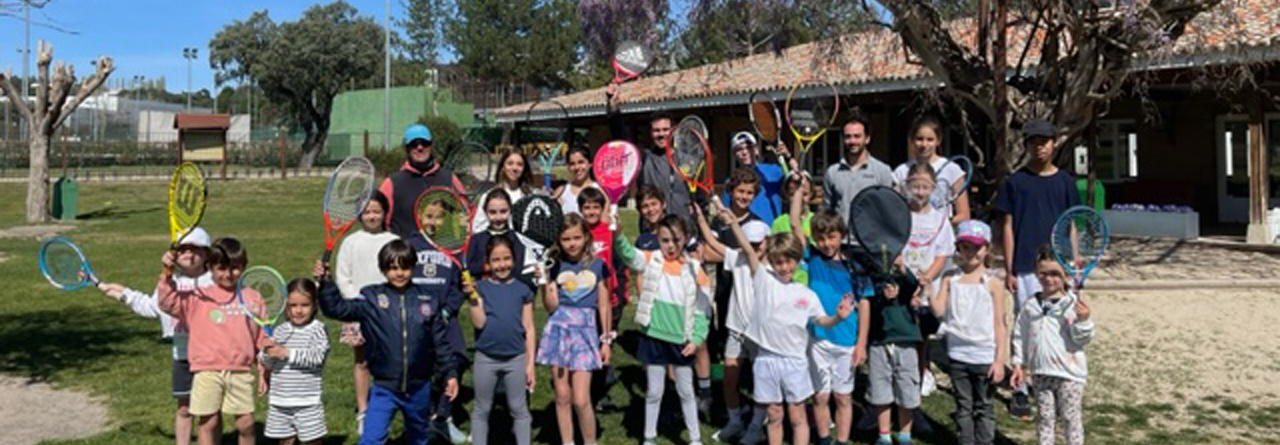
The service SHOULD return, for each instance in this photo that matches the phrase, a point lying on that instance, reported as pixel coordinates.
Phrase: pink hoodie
(223, 336)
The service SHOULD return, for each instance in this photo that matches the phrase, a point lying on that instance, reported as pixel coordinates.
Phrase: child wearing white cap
(767, 203)
(192, 273)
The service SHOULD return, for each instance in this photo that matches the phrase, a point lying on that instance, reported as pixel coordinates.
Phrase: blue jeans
(384, 402)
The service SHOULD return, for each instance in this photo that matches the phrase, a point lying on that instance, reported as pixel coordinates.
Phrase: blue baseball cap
(416, 131)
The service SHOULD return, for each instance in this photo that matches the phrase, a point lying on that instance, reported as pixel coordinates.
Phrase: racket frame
(333, 230)
(88, 278)
(468, 212)
(543, 154)
(960, 161)
(886, 256)
(544, 261)
(705, 170)
(1076, 270)
(628, 150)
(176, 231)
(267, 324)
(805, 142)
(622, 74)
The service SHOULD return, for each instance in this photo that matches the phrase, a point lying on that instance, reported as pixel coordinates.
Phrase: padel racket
(187, 194)
(616, 165)
(443, 217)
(1080, 237)
(539, 219)
(810, 109)
(880, 220)
(630, 60)
(689, 155)
(472, 163)
(548, 139)
(64, 265)
(262, 294)
(768, 124)
(944, 195)
(350, 187)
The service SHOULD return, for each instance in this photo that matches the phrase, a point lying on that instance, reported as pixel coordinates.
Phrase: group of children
(798, 309)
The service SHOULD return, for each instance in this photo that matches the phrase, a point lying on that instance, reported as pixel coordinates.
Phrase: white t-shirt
(480, 221)
(948, 175)
(569, 198)
(743, 296)
(357, 264)
(780, 322)
(931, 237)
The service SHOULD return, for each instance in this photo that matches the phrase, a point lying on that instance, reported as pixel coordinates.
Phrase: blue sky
(146, 37)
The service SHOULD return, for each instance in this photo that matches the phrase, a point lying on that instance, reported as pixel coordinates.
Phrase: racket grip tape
(468, 281)
(324, 258)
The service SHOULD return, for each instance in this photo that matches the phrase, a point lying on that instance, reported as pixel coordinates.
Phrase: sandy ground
(37, 232)
(33, 412)
(1133, 259)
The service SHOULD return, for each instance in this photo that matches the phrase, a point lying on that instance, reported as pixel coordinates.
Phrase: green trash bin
(65, 191)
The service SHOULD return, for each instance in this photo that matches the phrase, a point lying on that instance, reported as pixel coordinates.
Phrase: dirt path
(30, 413)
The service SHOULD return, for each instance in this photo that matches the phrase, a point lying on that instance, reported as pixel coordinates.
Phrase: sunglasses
(418, 143)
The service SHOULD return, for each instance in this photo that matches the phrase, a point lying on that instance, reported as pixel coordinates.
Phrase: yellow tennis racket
(811, 108)
(187, 195)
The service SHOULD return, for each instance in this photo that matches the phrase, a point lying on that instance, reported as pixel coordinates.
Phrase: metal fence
(124, 160)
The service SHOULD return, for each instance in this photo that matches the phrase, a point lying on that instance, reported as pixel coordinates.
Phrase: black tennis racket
(539, 218)
(881, 223)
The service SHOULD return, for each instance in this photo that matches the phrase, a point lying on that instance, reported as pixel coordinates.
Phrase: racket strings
(444, 218)
(269, 289)
(64, 264)
(187, 194)
(350, 188)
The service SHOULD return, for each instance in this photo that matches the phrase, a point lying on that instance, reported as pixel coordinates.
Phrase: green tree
(721, 30)
(302, 65)
(514, 41)
(423, 26)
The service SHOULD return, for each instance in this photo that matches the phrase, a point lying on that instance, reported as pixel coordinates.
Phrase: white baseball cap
(756, 231)
(196, 237)
(743, 137)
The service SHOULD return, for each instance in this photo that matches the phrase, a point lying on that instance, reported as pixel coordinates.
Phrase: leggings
(487, 373)
(1058, 398)
(657, 380)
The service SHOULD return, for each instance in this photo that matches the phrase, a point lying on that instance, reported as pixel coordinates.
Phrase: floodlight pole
(190, 55)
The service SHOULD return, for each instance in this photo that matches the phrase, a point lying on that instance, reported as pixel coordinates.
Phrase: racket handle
(546, 181)
(613, 217)
(324, 258)
(466, 280)
(542, 273)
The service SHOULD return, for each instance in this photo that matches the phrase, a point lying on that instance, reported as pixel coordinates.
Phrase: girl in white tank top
(578, 161)
(970, 304)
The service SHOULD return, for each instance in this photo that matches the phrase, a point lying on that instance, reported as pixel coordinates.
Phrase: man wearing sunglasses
(420, 171)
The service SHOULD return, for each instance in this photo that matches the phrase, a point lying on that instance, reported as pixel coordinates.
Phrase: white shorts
(831, 367)
(781, 379)
(739, 346)
(305, 422)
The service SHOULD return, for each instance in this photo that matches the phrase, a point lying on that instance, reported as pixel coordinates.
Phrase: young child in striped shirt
(294, 357)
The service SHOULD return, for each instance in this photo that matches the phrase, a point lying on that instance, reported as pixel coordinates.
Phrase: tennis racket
(262, 294)
(767, 123)
(539, 219)
(616, 165)
(64, 265)
(187, 195)
(689, 155)
(810, 109)
(881, 223)
(944, 195)
(1080, 237)
(443, 217)
(630, 60)
(350, 187)
(696, 122)
(549, 138)
(472, 163)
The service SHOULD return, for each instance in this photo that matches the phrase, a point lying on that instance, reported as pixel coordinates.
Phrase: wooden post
(280, 137)
(224, 155)
(1258, 193)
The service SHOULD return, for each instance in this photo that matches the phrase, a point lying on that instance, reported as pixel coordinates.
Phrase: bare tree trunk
(38, 178)
(312, 144)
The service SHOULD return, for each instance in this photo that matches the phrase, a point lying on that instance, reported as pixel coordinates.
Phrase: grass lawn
(84, 341)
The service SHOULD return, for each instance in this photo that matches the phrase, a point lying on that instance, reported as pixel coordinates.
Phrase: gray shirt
(843, 181)
(656, 171)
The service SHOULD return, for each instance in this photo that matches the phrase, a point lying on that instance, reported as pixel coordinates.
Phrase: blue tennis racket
(1080, 237)
(64, 265)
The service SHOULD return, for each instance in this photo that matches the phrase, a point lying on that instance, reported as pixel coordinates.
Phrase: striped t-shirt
(295, 381)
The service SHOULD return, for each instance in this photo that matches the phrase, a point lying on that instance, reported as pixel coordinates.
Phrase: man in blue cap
(420, 171)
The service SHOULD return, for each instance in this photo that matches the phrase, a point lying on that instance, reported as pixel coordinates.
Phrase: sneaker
(360, 423)
(755, 435)
(882, 440)
(457, 436)
(730, 432)
(928, 384)
(902, 439)
(1020, 407)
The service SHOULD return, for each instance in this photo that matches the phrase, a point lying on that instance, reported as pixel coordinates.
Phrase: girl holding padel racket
(953, 174)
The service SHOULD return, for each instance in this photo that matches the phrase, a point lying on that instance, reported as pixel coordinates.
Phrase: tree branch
(104, 68)
(19, 101)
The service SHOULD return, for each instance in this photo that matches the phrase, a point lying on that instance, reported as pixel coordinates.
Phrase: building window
(1117, 153)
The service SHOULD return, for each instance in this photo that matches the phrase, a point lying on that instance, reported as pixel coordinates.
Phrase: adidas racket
(616, 165)
(187, 194)
(1080, 237)
(630, 60)
(538, 218)
(548, 139)
(350, 187)
(64, 265)
(810, 109)
(262, 294)
(880, 220)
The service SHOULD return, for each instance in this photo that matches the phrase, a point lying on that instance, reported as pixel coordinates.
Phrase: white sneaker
(928, 384)
(457, 436)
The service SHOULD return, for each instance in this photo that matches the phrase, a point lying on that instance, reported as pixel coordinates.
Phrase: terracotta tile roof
(876, 61)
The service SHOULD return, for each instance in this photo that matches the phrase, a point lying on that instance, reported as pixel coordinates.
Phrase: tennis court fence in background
(127, 160)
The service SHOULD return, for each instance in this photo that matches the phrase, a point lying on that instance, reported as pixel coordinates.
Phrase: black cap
(1038, 128)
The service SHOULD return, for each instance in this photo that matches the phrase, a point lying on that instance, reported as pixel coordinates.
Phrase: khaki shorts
(228, 392)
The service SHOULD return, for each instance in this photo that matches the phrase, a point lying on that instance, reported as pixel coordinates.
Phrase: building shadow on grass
(106, 213)
(37, 344)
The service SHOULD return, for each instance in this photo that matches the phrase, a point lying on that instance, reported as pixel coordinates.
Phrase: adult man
(1029, 203)
(767, 204)
(419, 172)
(654, 168)
(856, 171)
